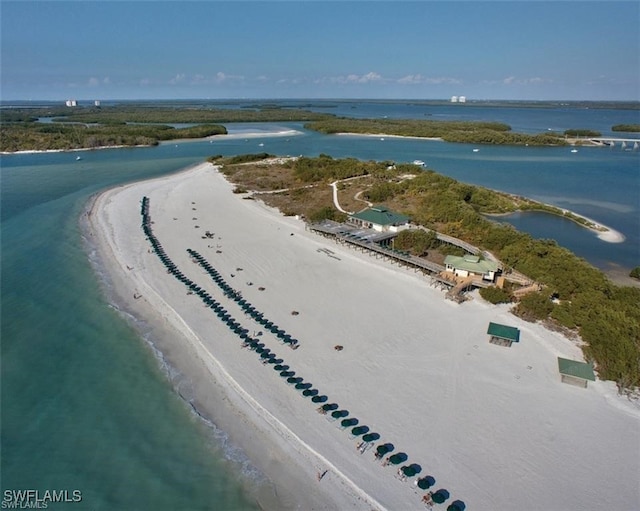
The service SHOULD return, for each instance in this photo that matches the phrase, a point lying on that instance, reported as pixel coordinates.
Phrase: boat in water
(419, 163)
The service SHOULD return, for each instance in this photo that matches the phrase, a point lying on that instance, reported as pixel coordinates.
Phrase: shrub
(495, 295)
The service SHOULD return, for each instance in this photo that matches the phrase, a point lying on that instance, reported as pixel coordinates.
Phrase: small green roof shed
(575, 373)
(503, 335)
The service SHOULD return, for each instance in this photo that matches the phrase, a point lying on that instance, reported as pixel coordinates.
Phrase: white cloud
(427, 80)
(513, 80)
(224, 77)
(93, 82)
(351, 78)
(411, 79)
(179, 78)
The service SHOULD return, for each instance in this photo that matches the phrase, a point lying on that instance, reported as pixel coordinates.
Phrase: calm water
(85, 403)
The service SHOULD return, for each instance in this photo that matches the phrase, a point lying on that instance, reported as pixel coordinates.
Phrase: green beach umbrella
(398, 458)
(440, 496)
(359, 430)
(424, 483)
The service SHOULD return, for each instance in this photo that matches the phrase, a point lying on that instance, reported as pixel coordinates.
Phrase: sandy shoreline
(494, 426)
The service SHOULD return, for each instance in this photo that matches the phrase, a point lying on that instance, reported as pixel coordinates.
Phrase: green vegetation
(89, 127)
(635, 273)
(495, 295)
(417, 242)
(449, 131)
(57, 136)
(628, 128)
(606, 316)
(582, 133)
(326, 213)
(325, 168)
(242, 158)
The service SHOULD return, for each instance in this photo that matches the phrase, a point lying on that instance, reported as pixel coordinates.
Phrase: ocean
(89, 405)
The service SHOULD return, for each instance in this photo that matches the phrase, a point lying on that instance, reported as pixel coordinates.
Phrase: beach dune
(493, 426)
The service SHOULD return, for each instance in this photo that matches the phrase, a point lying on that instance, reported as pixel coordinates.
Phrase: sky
(154, 49)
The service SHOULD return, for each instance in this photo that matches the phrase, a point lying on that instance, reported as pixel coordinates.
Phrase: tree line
(476, 132)
(32, 136)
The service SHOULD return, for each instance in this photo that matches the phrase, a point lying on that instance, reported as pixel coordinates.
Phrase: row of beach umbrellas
(285, 372)
(244, 304)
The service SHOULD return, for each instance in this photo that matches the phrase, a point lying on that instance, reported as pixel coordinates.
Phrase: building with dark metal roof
(503, 335)
(575, 373)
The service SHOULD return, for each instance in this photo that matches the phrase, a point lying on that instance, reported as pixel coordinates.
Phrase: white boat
(574, 150)
(419, 163)
(476, 150)
(78, 158)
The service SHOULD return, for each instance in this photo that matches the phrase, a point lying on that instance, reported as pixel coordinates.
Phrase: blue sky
(582, 50)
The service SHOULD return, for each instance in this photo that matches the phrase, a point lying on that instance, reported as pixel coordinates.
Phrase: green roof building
(471, 265)
(503, 335)
(379, 218)
(575, 373)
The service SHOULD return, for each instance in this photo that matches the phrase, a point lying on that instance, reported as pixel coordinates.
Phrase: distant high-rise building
(96, 102)
(454, 99)
(71, 102)
(462, 99)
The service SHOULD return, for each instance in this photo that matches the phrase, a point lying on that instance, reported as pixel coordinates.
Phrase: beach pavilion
(471, 266)
(379, 218)
(503, 335)
(575, 373)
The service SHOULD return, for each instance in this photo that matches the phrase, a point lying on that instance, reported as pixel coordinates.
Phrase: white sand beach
(494, 426)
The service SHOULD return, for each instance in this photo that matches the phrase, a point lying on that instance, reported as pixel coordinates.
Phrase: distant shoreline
(385, 135)
(251, 134)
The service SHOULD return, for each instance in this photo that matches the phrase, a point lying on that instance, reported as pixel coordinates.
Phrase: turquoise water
(85, 402)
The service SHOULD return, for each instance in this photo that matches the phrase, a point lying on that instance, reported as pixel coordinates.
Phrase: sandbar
(494, 426)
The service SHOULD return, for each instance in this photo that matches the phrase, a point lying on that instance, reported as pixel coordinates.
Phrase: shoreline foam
(415, 368)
